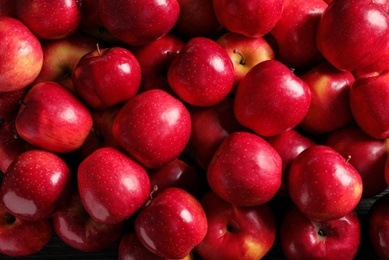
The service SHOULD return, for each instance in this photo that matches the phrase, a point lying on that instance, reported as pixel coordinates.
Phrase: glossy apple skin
(245, 52)
(253, 18)
(295, 33)
(368, 156)
(61, 55)
(368, 108)
(107, 77)
(153, 127)
(365, 21)
(53, 118)
(35, 185)
(234, 232)
(210, 125)
(288, 145)
(378, 228)
(330, 105)
(202, 74)
(48, 19)
(22, 55)
(112, 185)
(20, 238)
(155, 58)
(125, 19)
(323, 184)
(302, 238)
(77, 229)
(245, 170)
(266, 94)
(172, 224)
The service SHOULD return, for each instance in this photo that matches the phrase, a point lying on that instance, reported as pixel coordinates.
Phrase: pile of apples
(194, 129)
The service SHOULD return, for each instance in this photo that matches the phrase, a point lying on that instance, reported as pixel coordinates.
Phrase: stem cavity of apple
(9, 219)
(321, 233)
(242, 58)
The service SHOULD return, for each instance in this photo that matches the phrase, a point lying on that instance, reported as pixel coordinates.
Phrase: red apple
(138, 22)
(236, 232)
(323, 184)
(368, 156)
(302, 238)
(253, 18)
(369, 102)
(153, 127)
(377, 227)
(21, 54)
(172, 224)
(112, 185)
(53, 118)
(245, 170)
(49, 19)
(202, 74)
(7, 8)
(265, 96)
(353, 34)
(21, 237)
(35, 185)
(330, 105)
(10, 103)
(107, 77)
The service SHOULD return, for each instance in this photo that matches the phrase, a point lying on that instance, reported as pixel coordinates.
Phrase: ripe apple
(377, 226)
(302, 238)
(7, 8)
(236, 232)
(172, 224)
(368, 156)
(77, 229)
(265, 96)
(323, 184)
(35, 185)
(49, 19)
(112, 185)
(21, 237)
(245, 52)
(245, 170)
(369, 102)
(353, 34)
(53, 118)
(107, 77)
(153, 127)
(138, 22)
(330, 105)
(253, 18)
(21, 54)
(202, 73)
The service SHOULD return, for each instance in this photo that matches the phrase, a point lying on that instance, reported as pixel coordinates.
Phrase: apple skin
(365, 21)
(323, 184)
(21, 54)
(61, 55)
(202, 74)
(302, 238)
(368, 156)
(245, 52)
(295, 33)
(19, 238)
(245, 170)
(330, 104)
(265, 95)
(78, 230)
(48, 19)
(236, 232)
(35, 185)
(124, 19)
(369, 109)
(172, 224)
(153, 134)
(107, 77)
(7, 8)
(154, 59)
(252, 18)
(378, 229)
(112, 185)
(53, 118)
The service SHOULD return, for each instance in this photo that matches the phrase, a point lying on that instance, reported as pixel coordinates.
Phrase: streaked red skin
(378, 228)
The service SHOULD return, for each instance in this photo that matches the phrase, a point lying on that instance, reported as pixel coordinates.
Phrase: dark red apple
(378, 228)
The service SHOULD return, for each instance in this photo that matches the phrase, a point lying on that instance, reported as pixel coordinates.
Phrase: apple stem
(321, 233)
(242, 58)
(154, 190)
(348, 159)
(98, 49)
